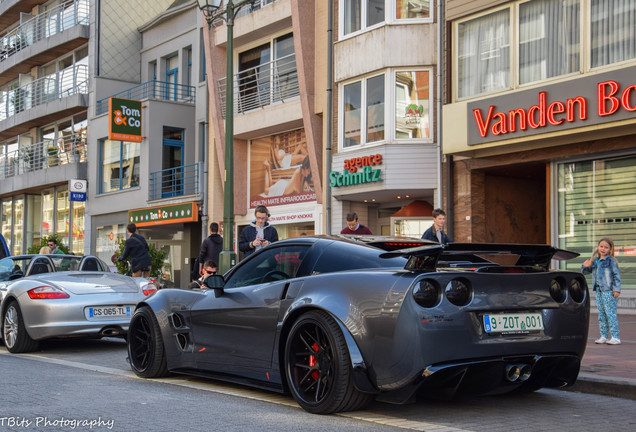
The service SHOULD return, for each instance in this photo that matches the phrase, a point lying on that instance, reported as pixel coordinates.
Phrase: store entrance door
(515, 204)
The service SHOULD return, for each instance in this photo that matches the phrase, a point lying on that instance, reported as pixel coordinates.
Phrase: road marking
(247, 393)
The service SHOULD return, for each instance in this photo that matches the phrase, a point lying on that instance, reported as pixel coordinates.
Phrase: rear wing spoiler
(428, 257)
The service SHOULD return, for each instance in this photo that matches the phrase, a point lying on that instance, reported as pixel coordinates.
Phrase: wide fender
(164, 303)
(365, 305)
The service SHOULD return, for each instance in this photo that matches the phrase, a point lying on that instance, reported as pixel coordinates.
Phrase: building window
(359, 14)
(547, 42)
(549, 39)
(7, 220)
(267, 74)
(412, 104)
(484, 54)
(119, 165)
(412, 9)
(369, 93)
(613, 37)
(593, 203)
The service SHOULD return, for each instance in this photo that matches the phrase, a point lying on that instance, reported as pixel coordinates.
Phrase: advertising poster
(279, 170)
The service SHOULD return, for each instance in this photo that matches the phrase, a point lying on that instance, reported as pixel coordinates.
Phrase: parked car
(47, 296)
(341, 321)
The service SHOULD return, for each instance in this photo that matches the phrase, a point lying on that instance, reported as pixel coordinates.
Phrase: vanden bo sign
(357, 170)
(124, 120)
(587, 101)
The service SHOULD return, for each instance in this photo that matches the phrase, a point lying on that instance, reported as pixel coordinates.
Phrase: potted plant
(28, 158)
(53, 158)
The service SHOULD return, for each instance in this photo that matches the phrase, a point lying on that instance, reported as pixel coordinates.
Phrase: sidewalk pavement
(610, 369)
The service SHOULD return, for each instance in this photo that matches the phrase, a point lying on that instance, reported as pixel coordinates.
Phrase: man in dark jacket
(436, 232)
(211, 247)
(137, 249)
(258, 234)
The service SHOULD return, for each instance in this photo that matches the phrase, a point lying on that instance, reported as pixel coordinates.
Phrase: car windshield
(66, 263)
(13, 268)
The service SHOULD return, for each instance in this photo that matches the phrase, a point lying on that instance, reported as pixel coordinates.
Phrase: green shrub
(157, 256)
(35, 248)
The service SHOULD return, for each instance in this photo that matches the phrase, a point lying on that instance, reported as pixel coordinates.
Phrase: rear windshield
(341, 256)
(66, 263)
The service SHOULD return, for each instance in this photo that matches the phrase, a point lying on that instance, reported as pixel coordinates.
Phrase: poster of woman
(280, 171)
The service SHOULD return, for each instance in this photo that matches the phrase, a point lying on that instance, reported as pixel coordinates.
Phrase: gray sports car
(47, 296)
(340, 321)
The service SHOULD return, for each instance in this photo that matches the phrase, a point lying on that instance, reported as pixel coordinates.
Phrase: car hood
(79, 283)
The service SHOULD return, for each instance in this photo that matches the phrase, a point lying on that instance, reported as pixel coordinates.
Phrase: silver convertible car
(48, 296)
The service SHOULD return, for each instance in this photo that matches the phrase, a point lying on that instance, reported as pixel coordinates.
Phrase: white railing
(255, 6)
(44, 25)
(263, 85)
(70, 81)
(42, 155)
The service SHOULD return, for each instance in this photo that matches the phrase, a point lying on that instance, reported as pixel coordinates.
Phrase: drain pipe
(441, 26)
(329, 130)
(204, 211)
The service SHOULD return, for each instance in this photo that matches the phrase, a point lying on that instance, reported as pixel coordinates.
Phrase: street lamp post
(212, 11)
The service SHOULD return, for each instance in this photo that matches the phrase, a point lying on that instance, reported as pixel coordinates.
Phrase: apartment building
(44, 86)
(539, 124)
(61, 62)
(386, 156)
(151, 63)
(279, 105)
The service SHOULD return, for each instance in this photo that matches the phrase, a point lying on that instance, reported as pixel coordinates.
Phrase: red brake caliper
(312, 362)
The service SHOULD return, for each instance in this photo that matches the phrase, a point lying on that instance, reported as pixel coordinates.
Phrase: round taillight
(459, 292)
(558, 290)
(427, 293)
(577, 290)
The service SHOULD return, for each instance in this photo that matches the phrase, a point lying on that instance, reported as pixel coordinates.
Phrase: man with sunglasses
(53, 249)
(209, 268)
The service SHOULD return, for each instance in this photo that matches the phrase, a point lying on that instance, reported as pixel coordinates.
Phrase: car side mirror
(215, 282)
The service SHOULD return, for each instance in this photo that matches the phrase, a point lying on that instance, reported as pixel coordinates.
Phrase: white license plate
(513, 323)
(109, 312)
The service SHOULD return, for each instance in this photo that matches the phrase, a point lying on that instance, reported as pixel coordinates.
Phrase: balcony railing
(275, 81)
(42, 155)
(72, 80)
(158, 90)
(256, 6)
(174, 182)
(44, 25)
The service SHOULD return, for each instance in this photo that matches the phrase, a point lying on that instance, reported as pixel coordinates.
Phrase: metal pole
(227, 257)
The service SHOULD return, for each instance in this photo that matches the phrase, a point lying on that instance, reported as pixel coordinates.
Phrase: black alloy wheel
(318, 368)
(145, 345)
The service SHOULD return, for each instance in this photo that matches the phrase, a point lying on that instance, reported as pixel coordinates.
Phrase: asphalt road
(87, 385)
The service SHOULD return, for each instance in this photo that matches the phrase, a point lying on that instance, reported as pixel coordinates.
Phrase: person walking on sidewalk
(607, 284)
(210, 248)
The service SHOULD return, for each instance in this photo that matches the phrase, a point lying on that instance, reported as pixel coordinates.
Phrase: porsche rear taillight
(47, 292)
(149, 289)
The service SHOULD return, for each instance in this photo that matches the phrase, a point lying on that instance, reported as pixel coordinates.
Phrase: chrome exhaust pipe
(512, 372)
(111, 331)
(525, 370)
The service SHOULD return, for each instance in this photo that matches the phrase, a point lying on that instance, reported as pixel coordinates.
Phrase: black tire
(318, 367)
(14, 333)
(145, 345)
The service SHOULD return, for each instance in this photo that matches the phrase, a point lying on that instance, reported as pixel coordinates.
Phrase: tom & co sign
(124, 122)
(586, 101)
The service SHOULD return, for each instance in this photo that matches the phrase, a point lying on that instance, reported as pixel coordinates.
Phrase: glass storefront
(598, 199)
(26, 219)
